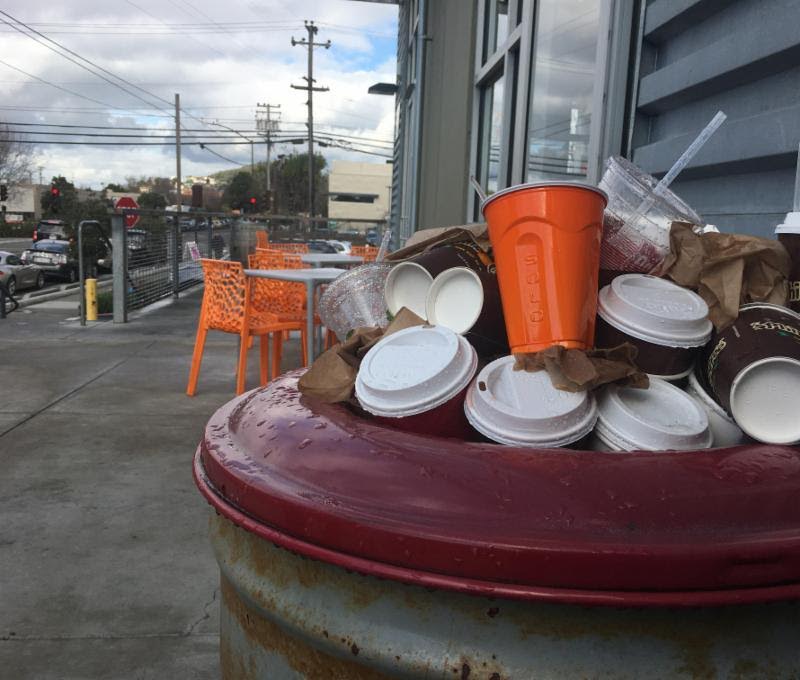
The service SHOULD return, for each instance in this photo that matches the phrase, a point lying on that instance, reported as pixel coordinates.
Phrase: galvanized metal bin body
(287, 616)
(317, 585)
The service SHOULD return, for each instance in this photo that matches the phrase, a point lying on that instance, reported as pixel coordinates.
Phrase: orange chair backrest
(225, 295)
(301, 248)
(278, 297)
(262, 239)
(369, 253)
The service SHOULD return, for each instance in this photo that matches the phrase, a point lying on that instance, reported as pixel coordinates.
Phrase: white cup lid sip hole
(655, 310)
(660, 418)
(414, 370)
(455, 299)
(524, 409)
(407, 285)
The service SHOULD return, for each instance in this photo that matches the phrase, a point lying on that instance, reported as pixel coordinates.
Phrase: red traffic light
(252, 200)
(55, 191)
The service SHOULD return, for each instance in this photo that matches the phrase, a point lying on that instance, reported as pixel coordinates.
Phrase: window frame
(516, 54)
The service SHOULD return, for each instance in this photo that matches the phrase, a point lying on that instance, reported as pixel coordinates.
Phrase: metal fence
(159, 255)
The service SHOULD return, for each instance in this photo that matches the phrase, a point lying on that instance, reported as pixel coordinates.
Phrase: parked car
(52, 229)
(372, 237)
(322, 247)
(16, 274)
(56, 258)
(343, 247)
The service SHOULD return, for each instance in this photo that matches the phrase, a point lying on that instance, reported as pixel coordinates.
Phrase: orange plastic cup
(546, 241)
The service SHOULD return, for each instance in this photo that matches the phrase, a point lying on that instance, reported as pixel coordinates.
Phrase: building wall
(24, 199)
(743, 57)
(360, 178)
(447, 113)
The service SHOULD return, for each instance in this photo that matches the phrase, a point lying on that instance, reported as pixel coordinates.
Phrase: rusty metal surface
(288, 616)
(670, 529)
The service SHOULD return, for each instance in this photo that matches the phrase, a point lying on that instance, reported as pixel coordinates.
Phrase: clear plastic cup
(634, 242)
(356, 299)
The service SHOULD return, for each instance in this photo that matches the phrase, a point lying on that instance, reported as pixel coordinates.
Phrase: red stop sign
(127, 202)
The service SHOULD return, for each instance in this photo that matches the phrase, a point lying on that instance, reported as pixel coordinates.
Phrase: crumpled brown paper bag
(332, 376)
(426, 239)
(576, 370)
(727, 270)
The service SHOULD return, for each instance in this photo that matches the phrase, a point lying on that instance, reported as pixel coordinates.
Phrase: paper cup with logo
(668, 324)
(416, 379)
(724, 430)
(788, 234)
(460, 299)
(410, 280)
(546, 244)
(753, 370)
(660, 418)
(524, 409)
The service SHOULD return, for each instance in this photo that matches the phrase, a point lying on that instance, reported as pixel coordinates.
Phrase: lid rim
(741, 375)
(649, 431)
(684, 339)
(443, 277)
(575, 434)
(389, 286)
(441, 396)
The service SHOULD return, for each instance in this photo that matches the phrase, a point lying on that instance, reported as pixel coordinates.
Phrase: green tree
(63, 205)
(113, 186)
(238, 193)
(150, 200)
(290, 184)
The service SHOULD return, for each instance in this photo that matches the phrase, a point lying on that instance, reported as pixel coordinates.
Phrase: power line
(78, 63)
(58, 87)
(143, 10)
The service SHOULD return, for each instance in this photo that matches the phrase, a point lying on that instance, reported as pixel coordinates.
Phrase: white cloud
(220, 74)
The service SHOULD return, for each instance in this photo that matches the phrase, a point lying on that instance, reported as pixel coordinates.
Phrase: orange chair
(369, 253)
(262, 239)
(288, 299)
(301, 248)
(232, 304)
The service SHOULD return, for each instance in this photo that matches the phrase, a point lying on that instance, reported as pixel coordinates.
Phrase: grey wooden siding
(741, 56)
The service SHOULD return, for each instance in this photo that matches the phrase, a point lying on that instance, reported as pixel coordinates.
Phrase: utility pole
(177, 230)
(266, 125)
(309, 87)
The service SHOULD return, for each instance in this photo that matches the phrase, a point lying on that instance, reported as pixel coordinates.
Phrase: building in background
(516, 91)
(359, 191)
(24, 202)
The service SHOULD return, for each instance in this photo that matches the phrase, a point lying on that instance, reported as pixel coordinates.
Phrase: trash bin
(348, 549)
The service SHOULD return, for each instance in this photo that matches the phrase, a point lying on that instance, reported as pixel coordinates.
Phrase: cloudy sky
(223, 58)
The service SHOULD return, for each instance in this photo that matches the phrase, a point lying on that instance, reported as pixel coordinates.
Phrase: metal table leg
(310, 288)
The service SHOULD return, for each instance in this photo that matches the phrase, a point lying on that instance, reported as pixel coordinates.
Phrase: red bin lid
(709, 527)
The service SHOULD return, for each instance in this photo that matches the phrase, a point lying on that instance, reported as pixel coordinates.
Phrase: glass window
(562, 84)
(13, 260)
(492, 129)
(495, 26)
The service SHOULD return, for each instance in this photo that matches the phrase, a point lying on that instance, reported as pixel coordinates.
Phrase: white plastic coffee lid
(524, 409)
(791, 224)
(407, 286)
(455, 299)
(414, 370)
(660, 418)
(655, 310)
(764, 400)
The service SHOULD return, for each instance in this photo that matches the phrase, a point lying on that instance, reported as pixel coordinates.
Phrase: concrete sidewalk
(107, 571)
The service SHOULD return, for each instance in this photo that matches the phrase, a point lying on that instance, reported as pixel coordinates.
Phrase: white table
(325, 259)
(312, 278)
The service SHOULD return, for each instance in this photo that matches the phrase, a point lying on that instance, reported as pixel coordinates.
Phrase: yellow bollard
(91, 299)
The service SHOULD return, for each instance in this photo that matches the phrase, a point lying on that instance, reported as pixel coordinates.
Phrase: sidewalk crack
(206, 614)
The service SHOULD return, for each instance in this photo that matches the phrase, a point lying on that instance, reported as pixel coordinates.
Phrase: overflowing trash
(607, 318)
